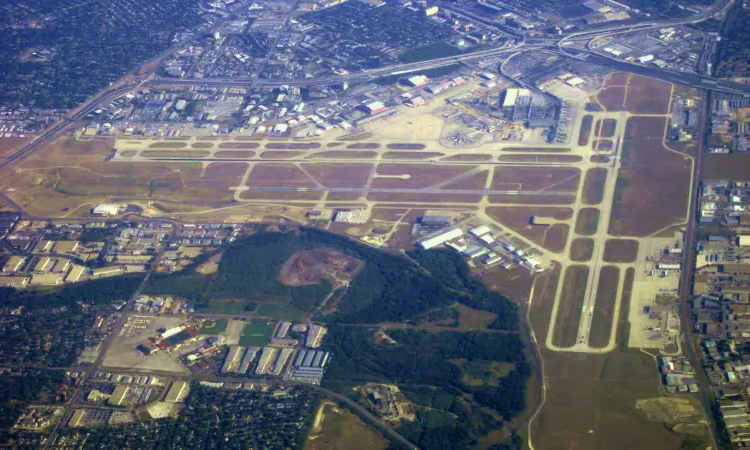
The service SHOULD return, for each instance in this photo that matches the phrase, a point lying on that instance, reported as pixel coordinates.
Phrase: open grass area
(581, 249)
(586, 124)
(338, 429)
(731, 166)
(571, 306)
(280, 311)
(593, 185)
(606, 128)
(587, 221)
(213, 326)
(256, 334)
(604, 310)
(620, 250)
(222, 307)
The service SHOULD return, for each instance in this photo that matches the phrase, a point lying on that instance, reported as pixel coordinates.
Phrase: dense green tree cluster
(19, 387)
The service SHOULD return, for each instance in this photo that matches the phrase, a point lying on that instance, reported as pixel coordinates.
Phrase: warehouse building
(108, 209)
(441, 238)
(14, 264)
(266, 360)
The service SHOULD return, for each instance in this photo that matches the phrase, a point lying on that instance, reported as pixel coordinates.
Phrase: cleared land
(586, 123)
(606, 298)
(415, 176)
(268, 174)
(314, 266)
(571, 306)
(650, 173)
(535, 178)
(338, 429)
(581, 249)
(620, 250)
(518, 219)
(587, 221)
(593, 185)
(612, 96)
(731, 166)
(339, 175)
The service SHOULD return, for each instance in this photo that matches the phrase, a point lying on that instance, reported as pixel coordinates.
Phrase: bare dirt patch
(731, 166)
(339, 175)
(314, 266)
(239, 145)
(405, 146)
(581, 249)
(612, 96)
(620, 250)
(211, 266)
(571, 306)
(535, 178)
(168, 145)
(9, 145)
(230, 154)
(587, 221)
(364, 146)
(604, 311)
(593, 185)
(291, 145)
(411, 155)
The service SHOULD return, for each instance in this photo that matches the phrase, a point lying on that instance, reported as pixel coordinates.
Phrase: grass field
(338, 429)
(620, 250)
(586, 123)
(732, 166)
(213, 326)
(256, 334)
(581, 249)
(587, 221)
(223, 307)
(280, 311)
(571, 306)
(606, 298)
(593, 185)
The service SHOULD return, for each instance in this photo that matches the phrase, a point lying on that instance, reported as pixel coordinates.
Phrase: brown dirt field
(604, 309)
(175, 153)
(168, 145)
(581, 249)
(606, 128)
(599, 159)
(587, 221)
(612, 96)
(211, 266)
(648, 96)
(343, 196)
(291, 145)
(593, 185)
(314, 266)
(551, 237)
(620, 250)
(472, 182)
(469, 158)
(514, 283)
(200, 145)
(586, 123)
(281, 195)
(364, 146)
(229, 154)
(280, 154)
(536, 150)
(571, 306)
(423, 198)
(473, 319)
(535, 178)
(12, 144)
(540, 158)
(422, 175)
(650, 174)
(533, 199)
(342, 154)
(267, 174)
(127, 153)
(405, 146)
(411, 155)
(339, 175)
(603, 145)
(731, 166)
(239, 145)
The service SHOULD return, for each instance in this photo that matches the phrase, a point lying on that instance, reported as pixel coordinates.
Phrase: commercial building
(14, 264)
(107, 271)
(75, 273)
(266, 359)
(177, 391)
(233, 359)
(46, 279)
(284, 355)
(375, 108)
(118, 397)
(14, 282)
(314, 336)
(108, 209)
(418, 80)
(441, 238)
(480, 230)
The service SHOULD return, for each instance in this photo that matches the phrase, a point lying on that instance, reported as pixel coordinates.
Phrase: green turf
(214, 326)
(256, 334)
(222, 307)
(279, 311)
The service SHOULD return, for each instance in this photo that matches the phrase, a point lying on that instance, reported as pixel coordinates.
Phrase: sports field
(256, 334)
